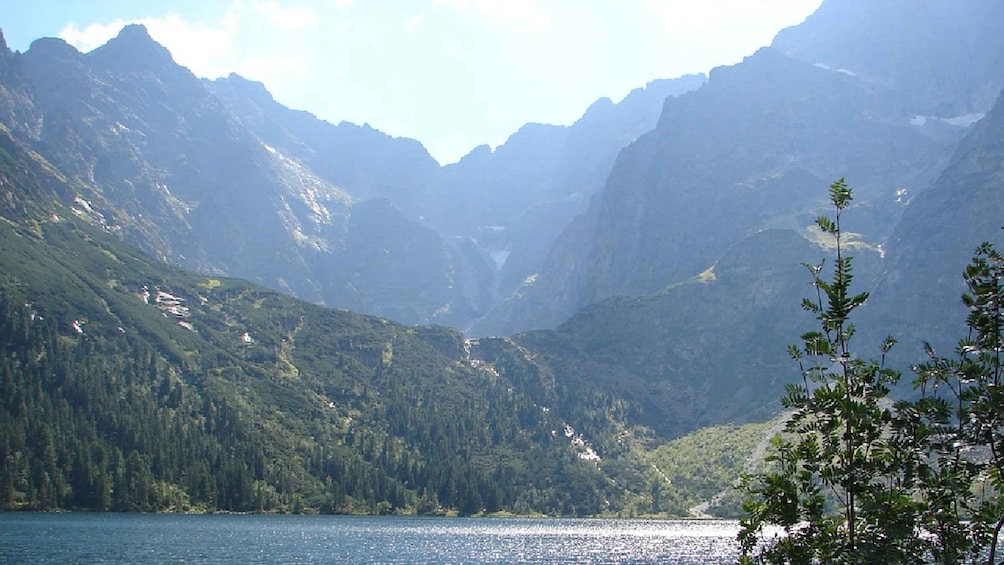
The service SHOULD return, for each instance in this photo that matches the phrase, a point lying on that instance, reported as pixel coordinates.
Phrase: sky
(453, 74)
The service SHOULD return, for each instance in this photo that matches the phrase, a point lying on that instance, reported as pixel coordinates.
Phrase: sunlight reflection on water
(104, 538)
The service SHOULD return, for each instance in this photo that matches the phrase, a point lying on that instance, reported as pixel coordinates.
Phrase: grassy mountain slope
(707, 351)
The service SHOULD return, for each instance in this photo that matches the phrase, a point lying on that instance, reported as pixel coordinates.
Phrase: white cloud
(523, 12)
(679, 15)
(213, 49)
(205, 49)
(411, 23)
(270, 68)
(286, 17)
(340, 5)
(92, 36)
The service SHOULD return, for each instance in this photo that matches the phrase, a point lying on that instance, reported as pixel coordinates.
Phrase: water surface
(225, 539)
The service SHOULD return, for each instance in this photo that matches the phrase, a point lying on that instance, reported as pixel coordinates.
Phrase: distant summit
(5, 54)
(134, 50)
(53, 48)
(941, 56)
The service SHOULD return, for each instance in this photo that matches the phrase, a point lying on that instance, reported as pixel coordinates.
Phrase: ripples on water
(145, 539)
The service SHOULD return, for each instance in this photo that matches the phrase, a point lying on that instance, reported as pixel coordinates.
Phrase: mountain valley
(212, 302)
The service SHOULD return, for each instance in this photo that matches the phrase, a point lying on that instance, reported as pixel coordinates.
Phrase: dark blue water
(161, 538)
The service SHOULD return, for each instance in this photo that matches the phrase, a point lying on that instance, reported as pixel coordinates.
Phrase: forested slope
(133, 385)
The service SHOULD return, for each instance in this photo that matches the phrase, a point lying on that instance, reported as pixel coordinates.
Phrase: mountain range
(644, 264)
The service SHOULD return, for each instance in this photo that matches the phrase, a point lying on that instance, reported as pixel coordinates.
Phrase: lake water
(166, 538)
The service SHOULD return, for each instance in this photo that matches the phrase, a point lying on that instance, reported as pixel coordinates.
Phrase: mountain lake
(41, 538)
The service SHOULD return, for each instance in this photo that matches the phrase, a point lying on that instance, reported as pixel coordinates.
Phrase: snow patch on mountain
(963, 120)
(836, 70)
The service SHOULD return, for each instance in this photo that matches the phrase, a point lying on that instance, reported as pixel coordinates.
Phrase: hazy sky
(451, 73)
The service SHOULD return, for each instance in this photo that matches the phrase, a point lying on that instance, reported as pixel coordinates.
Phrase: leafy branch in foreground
(858, 478)
(963, 405)
(838, 491)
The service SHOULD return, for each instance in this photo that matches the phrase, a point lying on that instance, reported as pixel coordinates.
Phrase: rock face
(543, 164)
(732, 176)
(942, 58)
(513, 202)
(918, 298)
(753, 149)
(218, 177)
(360, 159)
(234, 184)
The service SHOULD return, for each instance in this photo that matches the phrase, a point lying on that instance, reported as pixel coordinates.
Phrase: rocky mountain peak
(5, 54)
(53, 48)
(942, 56)
(133, 50)
(134, 32)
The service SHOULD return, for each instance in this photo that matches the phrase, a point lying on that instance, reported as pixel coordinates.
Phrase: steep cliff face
(943, 58)
(918, 298)
(217, 176)
(753, 149)
(516, 201)
(583, 166)
(499, 211)
(746, 153)
(221, 179)
(16, 105)
(541, 164)
(388, 259)
(151, 141)
(359, 159)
